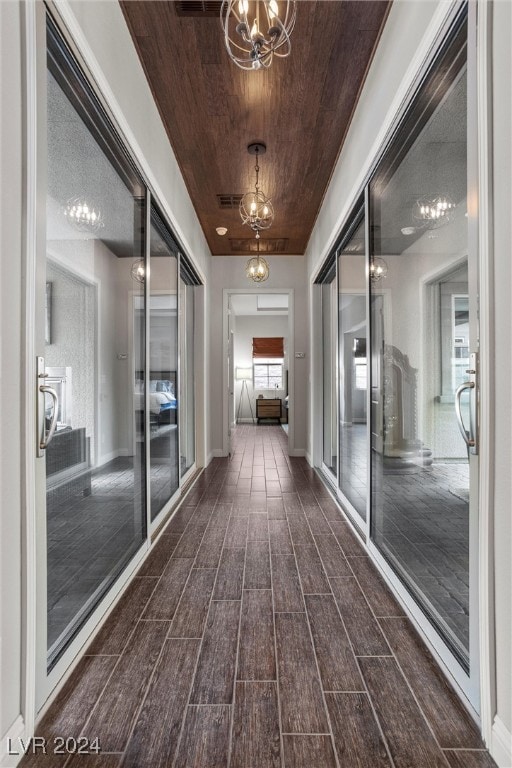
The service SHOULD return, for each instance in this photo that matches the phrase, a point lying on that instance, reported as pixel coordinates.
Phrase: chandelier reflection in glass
(433, 212)
(256, 210)
(138, 271)
(256, 30)
(82, 215)
(257, 268)
(378, 269)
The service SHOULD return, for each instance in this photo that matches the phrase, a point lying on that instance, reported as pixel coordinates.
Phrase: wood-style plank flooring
(258, 635)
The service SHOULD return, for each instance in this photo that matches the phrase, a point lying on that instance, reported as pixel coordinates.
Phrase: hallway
(258, 634)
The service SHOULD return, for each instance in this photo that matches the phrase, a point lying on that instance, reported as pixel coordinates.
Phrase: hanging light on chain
(257, 268)
(257, 30)
(256, 209)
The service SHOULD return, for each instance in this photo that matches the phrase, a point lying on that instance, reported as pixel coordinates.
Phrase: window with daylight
(268, 374)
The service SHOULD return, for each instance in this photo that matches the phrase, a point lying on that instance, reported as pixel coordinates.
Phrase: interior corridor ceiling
(300, 108)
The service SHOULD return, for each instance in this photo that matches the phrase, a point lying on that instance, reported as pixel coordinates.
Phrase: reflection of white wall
(91, 261)
(73, 342)
(352, 326)
(412, 295)
(246, 328)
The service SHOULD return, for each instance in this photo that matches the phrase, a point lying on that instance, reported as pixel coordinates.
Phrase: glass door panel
(353, 370)
(95, 488)
(163, 367)
(422, 335)
(187, 392)
(330, 448)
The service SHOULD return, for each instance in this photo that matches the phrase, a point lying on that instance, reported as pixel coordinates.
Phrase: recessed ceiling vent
(267, 245)
(198, 8)
(229, 201)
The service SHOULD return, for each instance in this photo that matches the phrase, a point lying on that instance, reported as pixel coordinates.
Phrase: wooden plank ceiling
(300, 108)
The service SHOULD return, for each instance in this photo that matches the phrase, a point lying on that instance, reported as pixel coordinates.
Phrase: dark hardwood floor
(258, 635)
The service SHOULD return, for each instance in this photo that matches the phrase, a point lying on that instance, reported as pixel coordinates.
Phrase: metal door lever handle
(467, 437)
(45, 442)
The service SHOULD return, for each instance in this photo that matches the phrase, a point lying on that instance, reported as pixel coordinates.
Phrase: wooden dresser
(268, 408)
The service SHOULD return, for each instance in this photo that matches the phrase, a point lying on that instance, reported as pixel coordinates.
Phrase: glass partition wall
(329, 409)
(187, 367)
(113, 388)
(163, 366)
(95, 479)
(421, 341)
(353, 369)
(407, 472)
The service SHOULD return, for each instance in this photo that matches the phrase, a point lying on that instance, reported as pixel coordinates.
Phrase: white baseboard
(216, 453)
(297, 453)
(308, 458)
(106, 457)
(11, 742)
(501, 744)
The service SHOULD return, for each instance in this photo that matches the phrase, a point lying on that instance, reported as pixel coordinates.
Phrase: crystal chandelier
(433, 212)
(82, 215)
(257, 268)
(255, 30)
(256, 210)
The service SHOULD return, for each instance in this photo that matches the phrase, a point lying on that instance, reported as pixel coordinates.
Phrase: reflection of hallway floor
(91, 538)
(257, 634)
(354, 466)
(424, 526)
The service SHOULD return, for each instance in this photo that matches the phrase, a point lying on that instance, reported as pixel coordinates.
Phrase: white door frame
(226, 294)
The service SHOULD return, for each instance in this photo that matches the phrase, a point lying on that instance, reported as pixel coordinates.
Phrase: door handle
(467, 436)
(48, 436)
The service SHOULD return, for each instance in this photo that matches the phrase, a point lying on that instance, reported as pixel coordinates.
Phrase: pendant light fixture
(257, 268)
(256, 30)
(256, 210)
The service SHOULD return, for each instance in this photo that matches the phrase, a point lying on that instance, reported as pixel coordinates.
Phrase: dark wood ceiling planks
(300, 108)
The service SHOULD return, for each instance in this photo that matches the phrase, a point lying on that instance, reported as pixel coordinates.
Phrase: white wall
(286, 272)
(247, 327)
(502, 142)
(10, 365)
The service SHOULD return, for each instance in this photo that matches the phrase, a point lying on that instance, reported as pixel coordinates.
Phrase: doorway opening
(259, 350)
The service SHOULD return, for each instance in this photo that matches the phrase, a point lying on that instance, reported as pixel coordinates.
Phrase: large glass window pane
(330, 439)
(163, 367)
(187, 392)
(353, 369)
(95, 491)
(420, 347)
